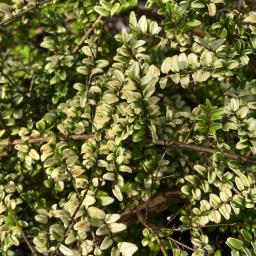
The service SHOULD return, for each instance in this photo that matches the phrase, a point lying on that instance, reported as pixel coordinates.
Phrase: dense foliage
(128, 127)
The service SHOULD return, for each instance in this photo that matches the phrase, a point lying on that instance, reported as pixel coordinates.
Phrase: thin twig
(239, 4)
(199, 227)
(154, 229)
(171, 240)
(146, 225)
(176, 214)
(3, 154)
(72, 220)
(166, 177)
(85, 36)
(73, 182)
(165, 143)
(87, 33)
(155, 205)
(9, 79)
(24, 236)
(23, 12)
(155, 177)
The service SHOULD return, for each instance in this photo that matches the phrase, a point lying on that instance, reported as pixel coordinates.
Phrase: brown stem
(158, 240)
(154, 178)
(24, 236)
(72, 220)
(87, 33)
(203, 226)
(85, 36)
(22, 12)
(165, 143)
(239, 4)
(171, 240)
(3, 154)
(155, 205)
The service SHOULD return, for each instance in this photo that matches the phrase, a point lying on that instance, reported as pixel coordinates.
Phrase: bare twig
(199, 227)
(151, 229)
(73, 182)
(239, 4)
(154, 177)
(155, 205)
(87, 33)
(23, 12)
(171, 240)
(72, 219)
(165, 143)
(3, 154)
(166, 177)
(24, 236)
(46, 139)
(175, 214)
(85, 36)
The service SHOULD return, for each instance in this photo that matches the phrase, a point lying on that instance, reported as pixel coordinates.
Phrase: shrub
(128, 127)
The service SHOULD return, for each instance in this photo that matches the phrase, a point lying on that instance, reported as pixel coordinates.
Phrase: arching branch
(23, 12)
(165, 143)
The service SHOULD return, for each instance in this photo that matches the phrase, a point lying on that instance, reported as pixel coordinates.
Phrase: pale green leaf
(215, 216)
(212, 9)
(142, 23)
(201, 76)
(197, 5)
(193, 60)
(133, 19)
(206, 58)
(193, 23)
(102, 230)
(106, 243)
(225, 210)
(154, 29)
(82, 225)
(127, 249)
(117, 227)
(106, 200)
(66, 251)
(183, 61)
(239, 183)
(96, 213)
(125, 168)
(251, 18)
(234, 104)
(117, 193)
(111, 218)
(184, 81)
(166, 65)
(114, 9)
(234, 243)
(102, 11)
(87, 51)
(82, 70)
(115, 252)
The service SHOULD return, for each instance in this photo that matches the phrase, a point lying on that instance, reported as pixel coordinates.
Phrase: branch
(23, 12)
(3, 154)
(87, 33)
(151, 229)
(236, 224)
(154, 229)
(85, 36)
(72, 219)
(24, 236)
(157, 204)
(176, 242)
(165, 143)
(200, 32)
